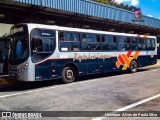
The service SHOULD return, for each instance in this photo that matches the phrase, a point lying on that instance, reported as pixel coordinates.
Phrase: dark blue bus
(42, 52)
(158, 47)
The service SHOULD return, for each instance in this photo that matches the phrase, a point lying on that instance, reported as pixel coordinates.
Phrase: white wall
(5, 28)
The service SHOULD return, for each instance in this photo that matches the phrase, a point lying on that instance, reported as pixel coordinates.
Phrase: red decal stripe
(129, 53)
(121, 60)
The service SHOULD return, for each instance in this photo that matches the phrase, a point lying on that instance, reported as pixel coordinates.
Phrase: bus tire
(69, 74)
(133, 66)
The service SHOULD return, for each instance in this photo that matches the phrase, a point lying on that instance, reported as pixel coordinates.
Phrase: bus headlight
(23, 68)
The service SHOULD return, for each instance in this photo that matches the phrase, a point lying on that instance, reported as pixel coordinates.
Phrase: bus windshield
(19, 44)
(19, 49)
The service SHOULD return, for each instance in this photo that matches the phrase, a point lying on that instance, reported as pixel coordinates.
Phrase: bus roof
(55, 27)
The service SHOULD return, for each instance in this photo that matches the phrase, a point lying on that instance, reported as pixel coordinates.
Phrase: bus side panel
(48, 70)
(42, 72)
(146, 60)
(83, 68)
(52, 69)
(110, 65)
(96, 66)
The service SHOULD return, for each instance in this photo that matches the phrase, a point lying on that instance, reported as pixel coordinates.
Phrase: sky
(149, 7)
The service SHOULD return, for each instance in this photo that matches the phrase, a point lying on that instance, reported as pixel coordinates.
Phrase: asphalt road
(103, 92)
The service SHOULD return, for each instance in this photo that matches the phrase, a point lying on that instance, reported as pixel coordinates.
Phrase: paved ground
(103, 92)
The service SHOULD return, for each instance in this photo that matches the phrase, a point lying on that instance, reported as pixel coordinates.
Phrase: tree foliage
(113, 3)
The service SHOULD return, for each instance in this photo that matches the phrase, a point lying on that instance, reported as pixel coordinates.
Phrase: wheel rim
(69, 74)
(134, 67)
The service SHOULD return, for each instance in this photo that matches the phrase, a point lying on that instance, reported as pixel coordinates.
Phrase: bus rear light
(38, 77)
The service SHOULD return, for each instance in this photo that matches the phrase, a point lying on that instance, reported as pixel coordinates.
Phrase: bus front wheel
(68, 74)
(133, 66)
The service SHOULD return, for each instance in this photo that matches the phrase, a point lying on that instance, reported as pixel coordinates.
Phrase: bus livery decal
(125, 59)
(89, 56)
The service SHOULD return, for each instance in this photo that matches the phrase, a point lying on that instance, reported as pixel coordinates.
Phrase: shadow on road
(21, 86)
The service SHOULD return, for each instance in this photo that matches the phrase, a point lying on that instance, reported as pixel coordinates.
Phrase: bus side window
(91, 42)
(127, 44)
(69, 41)
(75, 42)
(105, 43)
(111, 42)
(83, 37)
(61, 36)
(87, 42)
(96, 43)
(108, 43)
(37, 45)
(63, 44)
(134, 43)
(153, 44)
(146, 44)
(84, 42)
(40, 46)
(121, 43)
(139, 43)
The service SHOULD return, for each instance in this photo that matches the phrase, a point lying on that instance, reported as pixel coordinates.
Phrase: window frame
(71, 32)
(150, 48)
(95, 34)
(54, 47)
(125, 42)
(101, 43)
(113, 43)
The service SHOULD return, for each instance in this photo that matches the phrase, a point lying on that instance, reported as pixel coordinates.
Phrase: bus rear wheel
(69, 74)
(133, 66)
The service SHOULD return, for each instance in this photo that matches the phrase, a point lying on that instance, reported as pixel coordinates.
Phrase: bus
(4, 47)
(43, 52)
(158, 47)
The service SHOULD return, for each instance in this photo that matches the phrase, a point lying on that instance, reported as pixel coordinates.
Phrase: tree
(103, 1)
(114, 3)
